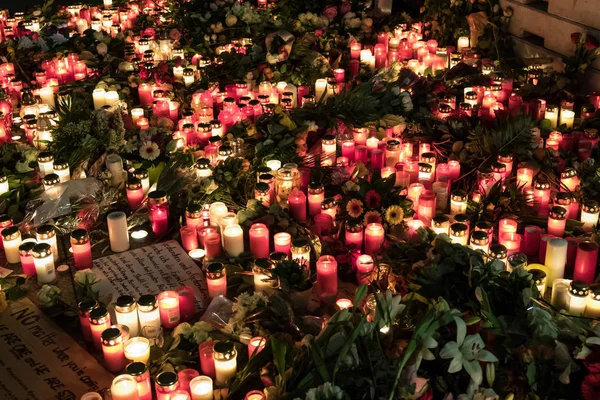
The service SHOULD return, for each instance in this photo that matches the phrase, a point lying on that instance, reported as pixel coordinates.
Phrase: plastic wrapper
(218, 312)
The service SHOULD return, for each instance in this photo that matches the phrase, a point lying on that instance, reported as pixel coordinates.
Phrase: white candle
(274, 164)
(47, 95)
(136, 114)
(45, 163)
(263, 281)
(111, 97)
(148, 311)
(63, 171)
(217, 210)
(124, 387)
(463, 43)
(201, 388)
(117, 231)
(4, 188)
(47, 234)
(556, 258)
(578, 297)
(11, 237)
(126, 313)
(44, 263)
(99, 96)
(114, 163)
(225, 358)
(233, 240)
(552, 115)
(567, 117)
(137, 349)
(320, 89)
(592, 308)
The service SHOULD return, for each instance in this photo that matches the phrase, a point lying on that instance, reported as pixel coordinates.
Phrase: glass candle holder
(5, 222)
(285, 182)
(255, 395)
(112, 348)
(83, 309)
(168, 305)
(480, 241)
(44, 263)
(392, 153)
(301, 252)
(148, 312)
(233, 240)
(259, 240)
(592, 307)
(11, 238)
(137, 349)
(539, 278)
(45, 163)
(225, 357)
(256, 345)
(516, 260)
(426, 208)
(459, 233)
(126, 313)
(139, 372)
(577, 297)
(364, 269)
(99, 322)
(201, 388)
(590, 210)
(47, 234)
(207, 361)
(498, 252)
(263, 279)
(165, 384)
(557, 221)
(158, 204)
(374, 238)
(327, 278)
(354, 236)
(586, 260)
(556, 258)
(328, 150)
(441, 224)
(194, 215)
(124, 387)
(282, 243)
(82, 249)
(316, 195)
(262, 193)
(541, 195)
(134, 192)
(216, 280)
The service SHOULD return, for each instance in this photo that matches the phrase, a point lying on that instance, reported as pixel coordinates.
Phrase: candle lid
(80, 236)
(479, 238)
(203, 163)
(558, 212)
(459, 195)
(51, 179)
(458, 229)
(224, 350)
(136, 368)
(147, 300)
(277, 257)
(194, 210)
(3, 178)
(428, 157)
(595, 291)
(392, 144)
(591, 133)
(134, 183)
(424, 167)
(41, 250)
(46, 231)
(26, 248)
(5, 221)
(445, 108)
(87, 305)
(225, 150)
(568, 173)
(498, 167)
(10, 233)
(483, 226)
(591, 206)
(98, 313)
(45, 156)
(125, 303)
(354, 226)
(541, 184)
(262, 187)
(215, 270)
(300, 243)
(440, 220)
(266, 177)
(505, 157)
(111, 336)
(498, 251)
(316, 187)
(462, 218)
(157, 197)
(263, 263)
(328, 203)
(538, 275)
(166, 378)
(579, 288)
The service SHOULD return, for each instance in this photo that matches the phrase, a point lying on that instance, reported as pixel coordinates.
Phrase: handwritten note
(40, 361)
(151, 270)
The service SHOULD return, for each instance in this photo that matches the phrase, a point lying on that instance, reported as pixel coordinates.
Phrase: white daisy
(149, 151)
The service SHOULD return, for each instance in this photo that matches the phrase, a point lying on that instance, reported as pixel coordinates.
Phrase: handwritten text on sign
(151, 270)
(39, 361)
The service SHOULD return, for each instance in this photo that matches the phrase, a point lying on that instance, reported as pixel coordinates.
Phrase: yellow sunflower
(394, 215)
(354, 208)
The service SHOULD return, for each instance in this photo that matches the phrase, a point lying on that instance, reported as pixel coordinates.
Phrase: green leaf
(279, 353)
(486, 356)
(319, 360)
(360, 294)
(461, 330)
(348, 345)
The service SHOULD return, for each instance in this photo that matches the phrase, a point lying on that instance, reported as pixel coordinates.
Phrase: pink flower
(330, 12)
(373, 199)
(175, 34)
(149, 32)
(318, 32)
(575, 36)
(345, 8)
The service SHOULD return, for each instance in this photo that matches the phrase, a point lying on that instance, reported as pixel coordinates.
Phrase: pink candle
(256, 345)
(26, 257)
(82, 249)
(557, 221)
(364, 267)
(374, 237)
(323, 225)
(531, 240)
(454, 167)
(585, 262)
(99, 322)
(327, 277)
(212, 245)
(216, 280)
(283, 243)
(145, 93)
(354, 236)
(168, 304)
(297, 204)
(135, 193)
(158, 204)
(316, 195)
(84, 309)
(184, 377)
(525, 177)
(112, 348)
(348, 148)
(507, 225)
(355, 48)
(189, 238)
(512, 242)
(187, 306)
(207, 362)
(259, 240)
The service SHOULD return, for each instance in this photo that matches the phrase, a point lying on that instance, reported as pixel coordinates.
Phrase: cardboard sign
(40, 361)
(151, 270)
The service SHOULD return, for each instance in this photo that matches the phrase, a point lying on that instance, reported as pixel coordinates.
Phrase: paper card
(40, 361)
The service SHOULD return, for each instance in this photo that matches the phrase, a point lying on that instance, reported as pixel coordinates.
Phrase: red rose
(591, 43)
(590, 387)
(318, 32)
(149, 32)
(592, 363)
(330, 12)
(345, 8)
(575, 36)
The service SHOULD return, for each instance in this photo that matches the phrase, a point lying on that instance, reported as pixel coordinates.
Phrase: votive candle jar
(539, 278)
(201, 388)
(578, 297)
(259, 240)
(168, 305)
(556, 258)
(124, 387)
(592, 307)
(233, 240)
(374, 238)
(158, 204)
(557, 221)
(441, 224)
(256, 345)
(83, 309)
(263, 280)
(134, 192)
(364, 268)
(165, 384)
(590, 210)
(99, 322)
(148, 312)
(301, 252)
(216, 280)
(327, 277)
(207, 361)
(127, 314)
(316, 195)
(112, 348)
(480, 241)
(354, 236)
(283, 243)
(459, 233)
(44, 263)
(225, 357)
(139, 371)
(47, 234)
(11, 237)
(82, 249)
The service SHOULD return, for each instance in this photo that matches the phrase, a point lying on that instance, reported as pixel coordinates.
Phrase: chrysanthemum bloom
(354, 208)
(149, 151)
(372, 217)
(394, 215)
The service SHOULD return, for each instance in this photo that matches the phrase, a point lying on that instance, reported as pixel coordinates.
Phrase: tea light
(168, 305)
(256, 345)
(374, 237)
(327, 277)
(99, 322)
(557, 221)
(112, 348)
(148, 312)
(124, 387)
(585, 262)
(201, 388)
(233, 240)
(216, 280)
(117, 231)
(578, 297)
(343, 304)
(556, 258)
(225, 357)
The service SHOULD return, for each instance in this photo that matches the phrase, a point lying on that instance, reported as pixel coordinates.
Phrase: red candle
(256, 345)
(135, 193)
(374, 236)
(323, 225)
(159, 212)
(145, 94)
(297, 204)
(327, 277)
(259, 240)
(585, 262)
(355, 48)
(99, 322)
(361, 153)
(207, 362)
(112, 348)
(189, 238)
(26, 257)
(184, 377)
(348, 148)
(364, 267)
(187, 306)
(283, 243)
(82, 249)
(354, 236)
(168, 304)
(454, 167)
(572, 244)
(212, 245)
(84, 309)
(531, 240)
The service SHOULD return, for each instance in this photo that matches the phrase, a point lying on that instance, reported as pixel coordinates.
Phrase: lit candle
(355, 48)
(590, 210)
(263, 280)
(217, 210)
(99, 97)
(585, 262)
(112, 349)
(327, 277)
(297, 205)
(11, 238)
(45, 163)
(135, 193)
(256, 345)
(168, 305)
(441, 224)
(364, 267)
(124, 387)
(201, 388)
(512, 241)
(212, 244)
(166, 384)
(233, 240)
(189, 237)
(567, 117)
(592, 307)
(99, 322)
(44, 264)
(82, 249)
(117, 231)
(531, 240)
(316, 195)
(343, 304)
(83, 309)
(148, 312)
(139, 371)
(126, 314)
(556, 258)
(498, 253)
(216, 280)
(301, 252)
(552, 115)
(354, 236)
(328, 150)
(321, 89)
(463, 43)
(459, 233)
(225, 358)
(539, 278)
(578, 297)
(207, 362)
(557, 221)
(374, 237)
(524, 177)
(507, 225)
(480, 241)
(283, 242)
(158, 204)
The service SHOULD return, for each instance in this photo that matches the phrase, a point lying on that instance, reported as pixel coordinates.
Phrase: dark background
(24, 5)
